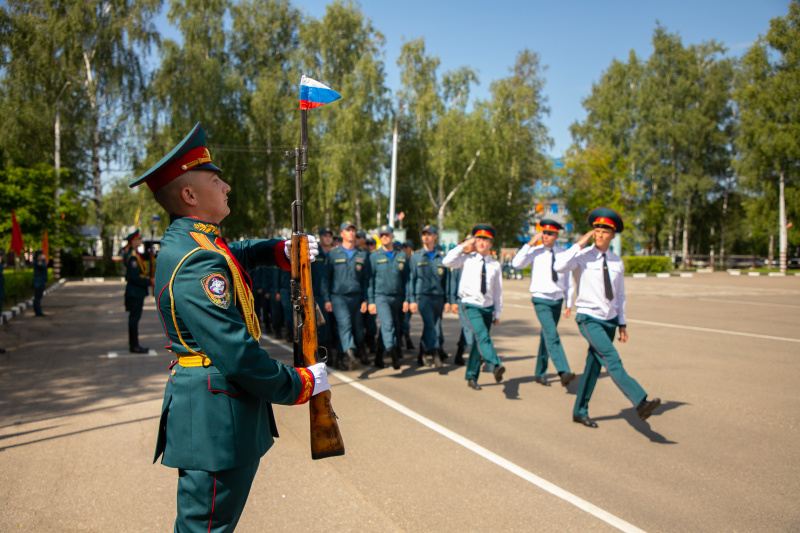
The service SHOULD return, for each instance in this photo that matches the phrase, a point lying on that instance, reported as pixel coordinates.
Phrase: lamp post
(393, 184)
(57, 158)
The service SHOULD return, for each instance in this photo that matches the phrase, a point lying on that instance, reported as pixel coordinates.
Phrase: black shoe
(437, 359)
(40, 314)
(2, 350)
(472, 384)
(443, 355)
(498, 373)
(139, 349)
(541, 381)
(409, 344)
(646, 408)
(379, 359)
(351, 361)
(566, 377)
(395, 353)
(585, 420)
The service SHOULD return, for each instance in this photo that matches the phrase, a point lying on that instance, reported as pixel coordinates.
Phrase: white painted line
(754, 274)
(694, 328)
(543, 484)
(735, 272)
(640, 275)
(687, 275)
(776, 274)
(662, 275)
(746, 302)
(112, 355)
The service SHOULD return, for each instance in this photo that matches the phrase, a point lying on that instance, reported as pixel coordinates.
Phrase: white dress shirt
(469, 288)
(588, 267)
(542, 285)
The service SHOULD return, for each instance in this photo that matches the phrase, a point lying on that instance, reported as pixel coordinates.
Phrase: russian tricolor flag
(314, 94)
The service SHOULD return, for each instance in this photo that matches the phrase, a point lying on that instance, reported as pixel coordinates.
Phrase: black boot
(437, 358)
(379, 358)
(409, 344)
(351, 361)
(420, 359)
(394, 352)
(133, 340)
(443, 355)
(459, 360)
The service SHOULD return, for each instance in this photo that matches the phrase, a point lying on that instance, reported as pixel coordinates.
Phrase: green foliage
(19, 285)
(646, 264)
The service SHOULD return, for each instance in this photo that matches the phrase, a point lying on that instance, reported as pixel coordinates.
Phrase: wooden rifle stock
(326, 439)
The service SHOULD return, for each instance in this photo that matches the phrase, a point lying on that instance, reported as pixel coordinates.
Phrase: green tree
(768, 89)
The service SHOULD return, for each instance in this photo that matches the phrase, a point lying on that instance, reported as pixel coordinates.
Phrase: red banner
(16, 235)
(46, 247)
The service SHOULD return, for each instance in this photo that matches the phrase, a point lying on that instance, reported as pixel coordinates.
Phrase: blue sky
(575, 40)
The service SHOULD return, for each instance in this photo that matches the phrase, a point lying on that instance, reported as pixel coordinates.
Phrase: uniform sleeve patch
(217, 289)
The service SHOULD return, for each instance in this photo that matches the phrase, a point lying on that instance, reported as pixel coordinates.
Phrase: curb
(20, 308)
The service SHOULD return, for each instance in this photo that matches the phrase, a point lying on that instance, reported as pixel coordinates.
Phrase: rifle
(326, 439)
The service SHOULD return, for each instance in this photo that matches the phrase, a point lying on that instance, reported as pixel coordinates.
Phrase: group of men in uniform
(216, 418)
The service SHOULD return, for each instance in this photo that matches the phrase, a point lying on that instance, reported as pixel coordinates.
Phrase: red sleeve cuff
(280, 256)
(307, 385)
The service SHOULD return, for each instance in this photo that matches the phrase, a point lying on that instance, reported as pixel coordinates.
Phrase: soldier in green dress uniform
(216, 419)
(386, 295)
(137, 276)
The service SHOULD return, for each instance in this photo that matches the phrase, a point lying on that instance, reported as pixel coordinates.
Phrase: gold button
(173, 371)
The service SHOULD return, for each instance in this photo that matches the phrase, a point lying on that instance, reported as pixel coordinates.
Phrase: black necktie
(607, 280)
(553, 267)
(483, 277)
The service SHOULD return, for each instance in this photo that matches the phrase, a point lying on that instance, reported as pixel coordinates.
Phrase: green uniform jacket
(346, 276)
(216, 417)
(138, 277)
(387, 276)
(427, 277)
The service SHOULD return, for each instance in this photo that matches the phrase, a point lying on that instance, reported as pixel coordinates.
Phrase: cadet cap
(361, 235)
(604, 217)
(429, 229)
(190, 154)
(483, 230)
(346, 225)
(323, 231)
(549, 224)
(133, 235)
(385, 230)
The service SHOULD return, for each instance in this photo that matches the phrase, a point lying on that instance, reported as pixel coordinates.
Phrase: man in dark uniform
(386, 295)
(216, 419)
(276, 309)
(39, 281)
(319, 271)
(427, 291)
(137, 276)
(600, 311)
(466, 337)
(344, 292)
(368, 322)
(408, 249)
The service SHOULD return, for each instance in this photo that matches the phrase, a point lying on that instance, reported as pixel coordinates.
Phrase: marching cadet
(386, 295)
(368, 322)
(426, 293)
(276, 309)
(319, 271)
(344, 293)
(481, 292)
(283, 292)
(600, 311)
(216, 421)
(548, 289)
(40, 281)
(137, 276)
(466, 337)
(408, 249)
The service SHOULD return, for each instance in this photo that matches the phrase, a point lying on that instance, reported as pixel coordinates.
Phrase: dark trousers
(480, 323)
(286, 306)
(347, 309)
(38, 292)
(430, 310)
(276, 312)
(212, 501)
(390, 314)
(549, 312)
(134, 306)
(600, 334)
(407, 322)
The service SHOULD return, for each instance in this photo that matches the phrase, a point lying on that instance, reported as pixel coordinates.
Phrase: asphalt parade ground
(78, 421)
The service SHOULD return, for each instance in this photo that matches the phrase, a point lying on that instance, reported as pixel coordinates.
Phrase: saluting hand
(583, 241)
(469, 245)
(536, 238)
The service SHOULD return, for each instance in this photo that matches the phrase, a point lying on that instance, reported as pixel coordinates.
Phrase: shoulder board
(383, 260)
(340, 261)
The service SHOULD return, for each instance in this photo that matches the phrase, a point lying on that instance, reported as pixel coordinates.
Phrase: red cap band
(605, 221)
(189, 160)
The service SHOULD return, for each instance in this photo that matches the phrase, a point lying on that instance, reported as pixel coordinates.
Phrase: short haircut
(169, 196)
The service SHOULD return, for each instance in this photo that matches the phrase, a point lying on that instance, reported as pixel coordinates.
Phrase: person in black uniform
(137, 276)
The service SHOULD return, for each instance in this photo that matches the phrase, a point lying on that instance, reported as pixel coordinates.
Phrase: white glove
(320, 372)
(313, 248)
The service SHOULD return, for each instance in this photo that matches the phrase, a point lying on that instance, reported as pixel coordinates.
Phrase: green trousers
(549, 312)
(480, 322)
(600, 334)
(212, 502)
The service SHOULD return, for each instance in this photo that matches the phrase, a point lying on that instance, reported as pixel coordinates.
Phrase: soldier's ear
(188, 195)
